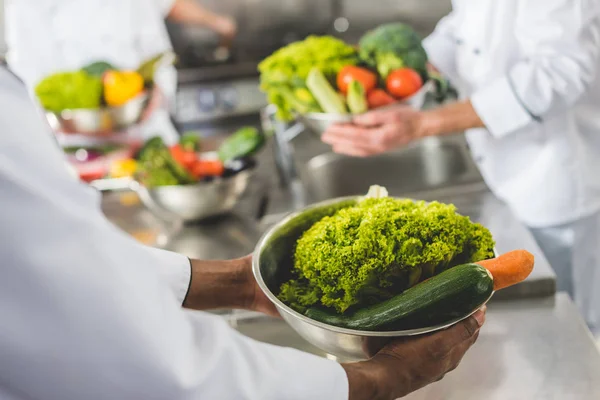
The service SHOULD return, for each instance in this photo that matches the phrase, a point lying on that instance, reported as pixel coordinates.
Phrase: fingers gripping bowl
(273, 265)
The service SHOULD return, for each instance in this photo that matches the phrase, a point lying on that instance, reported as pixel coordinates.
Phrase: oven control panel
(208, 101)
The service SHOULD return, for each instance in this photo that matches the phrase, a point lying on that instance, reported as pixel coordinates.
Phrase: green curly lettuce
(69, 90)
(369, 252)
(283, 74)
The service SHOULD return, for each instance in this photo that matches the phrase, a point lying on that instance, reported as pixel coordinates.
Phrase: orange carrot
(510, 268)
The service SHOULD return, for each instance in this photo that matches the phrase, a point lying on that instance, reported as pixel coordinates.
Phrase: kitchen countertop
(528, 349)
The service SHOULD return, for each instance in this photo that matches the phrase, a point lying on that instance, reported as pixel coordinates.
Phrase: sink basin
(425, 166)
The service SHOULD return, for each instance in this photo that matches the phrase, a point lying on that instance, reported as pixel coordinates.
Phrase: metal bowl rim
(247, 174)
(283, 307)
(323, 116)
(139, 98)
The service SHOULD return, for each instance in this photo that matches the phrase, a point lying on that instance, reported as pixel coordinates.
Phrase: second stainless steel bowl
(186, 202)
(100, 121)
(271, 264)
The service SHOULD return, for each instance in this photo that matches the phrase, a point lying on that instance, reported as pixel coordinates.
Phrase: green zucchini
(451, 294)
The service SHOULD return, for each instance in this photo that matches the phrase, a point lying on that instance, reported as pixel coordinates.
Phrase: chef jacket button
(459, 41)
(478, 159)
(476, 51)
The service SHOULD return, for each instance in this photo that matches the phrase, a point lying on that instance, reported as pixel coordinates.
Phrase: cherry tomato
(186, 158)
(403, 82)
(203, 168)
(351, 73)
(379, 98)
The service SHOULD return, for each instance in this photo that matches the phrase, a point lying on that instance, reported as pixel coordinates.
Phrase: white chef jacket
(89, 313)
(48, 36)
(530, 68)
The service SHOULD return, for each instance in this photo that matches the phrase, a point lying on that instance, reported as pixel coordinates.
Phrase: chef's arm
(441, 46)
(190, 12)
(560, 45)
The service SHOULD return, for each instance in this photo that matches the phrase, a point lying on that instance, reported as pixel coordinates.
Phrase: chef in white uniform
(47, 36)
(89, 313)
(528, 75)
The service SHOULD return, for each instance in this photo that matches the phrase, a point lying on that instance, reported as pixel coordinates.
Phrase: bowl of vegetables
(98, 99)
(349, 269)
(323, 80)
(182, 182)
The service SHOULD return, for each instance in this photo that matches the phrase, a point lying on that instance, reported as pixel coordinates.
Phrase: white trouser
(573, 251)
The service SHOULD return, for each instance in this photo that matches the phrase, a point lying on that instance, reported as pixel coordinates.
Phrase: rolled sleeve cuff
(440, 48)
(500, 109)
(176, 270)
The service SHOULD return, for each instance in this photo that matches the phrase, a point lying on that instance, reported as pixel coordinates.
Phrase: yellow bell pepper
(121, 86)
(123, 168)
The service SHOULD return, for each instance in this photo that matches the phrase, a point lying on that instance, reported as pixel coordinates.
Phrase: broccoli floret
(158, 168)
(385, 46)
(369, 252)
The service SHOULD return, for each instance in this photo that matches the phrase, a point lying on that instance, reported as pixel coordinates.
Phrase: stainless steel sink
(425, 166)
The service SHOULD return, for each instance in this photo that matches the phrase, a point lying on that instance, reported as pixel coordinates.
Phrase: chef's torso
(547, 171)
(46, 36)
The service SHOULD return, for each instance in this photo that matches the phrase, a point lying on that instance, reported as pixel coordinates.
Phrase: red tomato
(379, 98)
(351, 73)
(184, 157)
(203, 168)
(403, 82)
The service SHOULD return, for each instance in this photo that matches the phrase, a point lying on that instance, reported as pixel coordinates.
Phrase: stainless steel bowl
(271, 263)
(319, 122)
(186, 202)
(100, 121)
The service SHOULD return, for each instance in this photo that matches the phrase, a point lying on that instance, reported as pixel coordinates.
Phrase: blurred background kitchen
(535, 334)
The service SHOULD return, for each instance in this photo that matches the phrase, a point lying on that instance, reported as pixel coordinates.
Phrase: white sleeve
(440, 46)
(165, 6)
(85, 316)
(560, 40)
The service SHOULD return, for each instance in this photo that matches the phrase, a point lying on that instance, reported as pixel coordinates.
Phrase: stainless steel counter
(528, 349)
(536, 349)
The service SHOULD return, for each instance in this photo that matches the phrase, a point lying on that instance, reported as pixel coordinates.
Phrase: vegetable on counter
(379, 98)
(326, 96)
(69, 90)
(403, 82)
(369, 252)
(442, 298)
(121, 86)
(393, 46)
(351, 73)
(357, 98)
(287, 69)
(244, 142)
